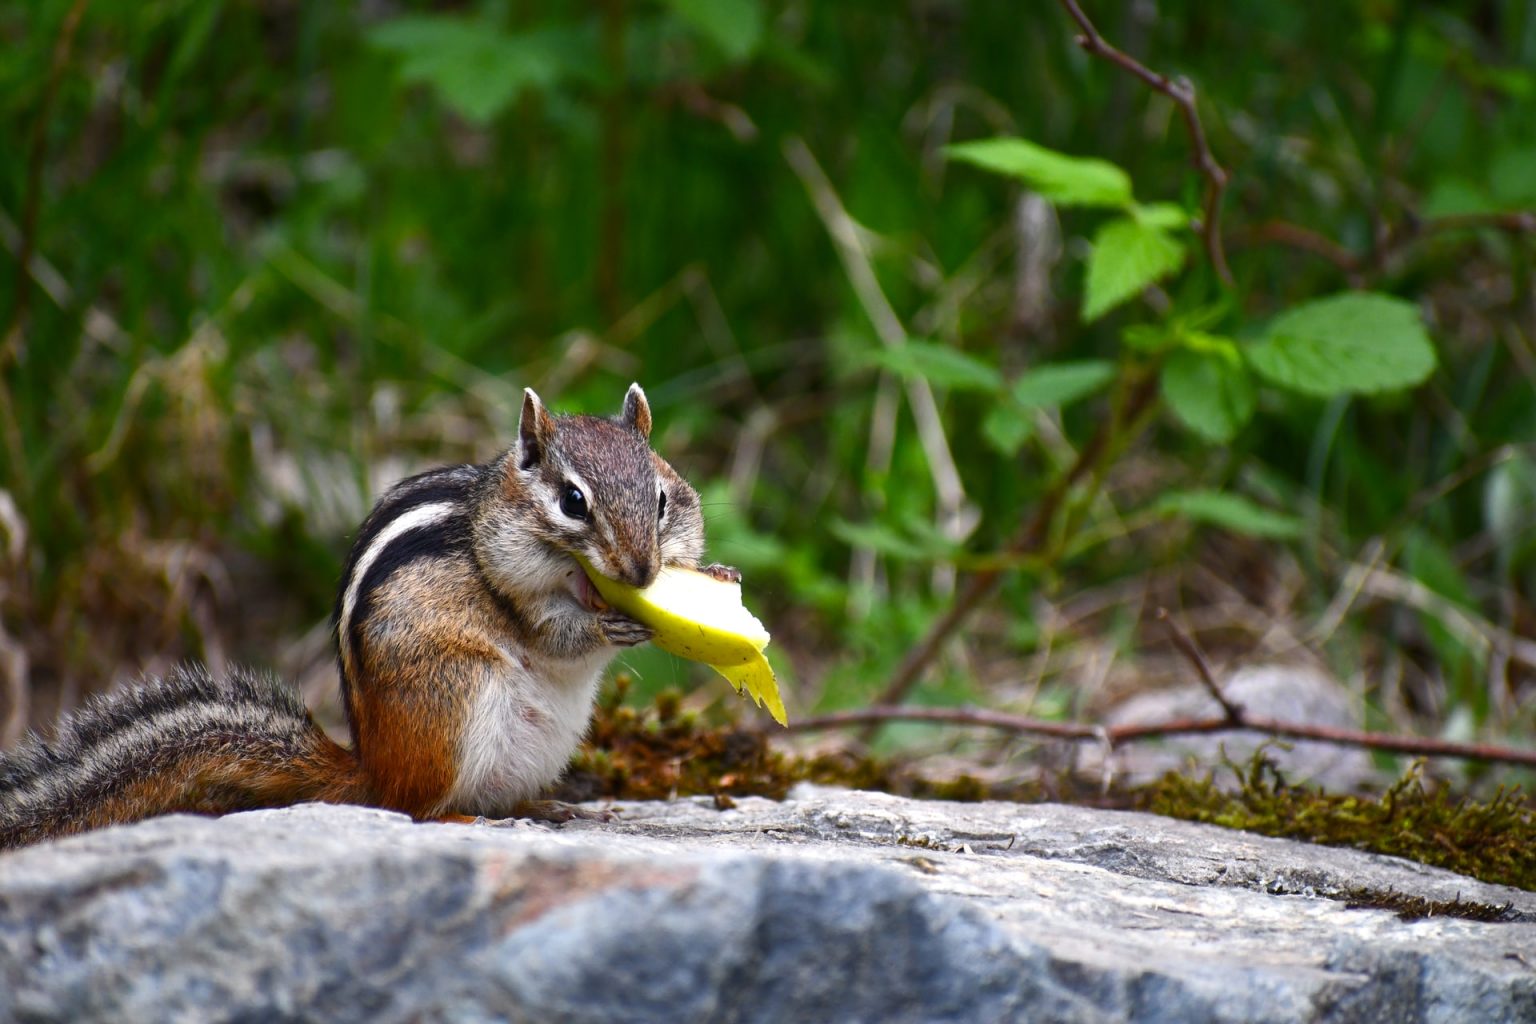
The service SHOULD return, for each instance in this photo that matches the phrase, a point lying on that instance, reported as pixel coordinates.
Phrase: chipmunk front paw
(723, 573)
(622, 631)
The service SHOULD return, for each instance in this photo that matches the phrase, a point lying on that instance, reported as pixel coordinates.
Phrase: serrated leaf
(736, 26)
(1006, 427)
(1061, 383)
(1229, 511)
(1127, 256)
(940, 365)
(1057, 177)
(1354, 343)
(1208, 392)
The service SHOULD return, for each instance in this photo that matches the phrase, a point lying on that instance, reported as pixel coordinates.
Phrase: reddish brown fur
(423, 676)
(211, 781)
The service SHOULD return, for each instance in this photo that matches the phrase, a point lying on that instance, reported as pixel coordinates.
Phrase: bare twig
(1518, 221)
(1191, 650)
(1304, 239)
(1393, 241)
(1116, 735)
(1182, 92)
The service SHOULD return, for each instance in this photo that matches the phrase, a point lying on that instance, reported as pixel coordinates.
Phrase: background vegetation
(258, 260)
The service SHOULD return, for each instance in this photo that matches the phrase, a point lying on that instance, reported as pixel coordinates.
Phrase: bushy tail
(187, 743)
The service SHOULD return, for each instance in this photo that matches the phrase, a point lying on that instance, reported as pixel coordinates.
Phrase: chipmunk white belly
(523, 728)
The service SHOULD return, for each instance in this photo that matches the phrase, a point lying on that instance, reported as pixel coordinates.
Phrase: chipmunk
(470, 642)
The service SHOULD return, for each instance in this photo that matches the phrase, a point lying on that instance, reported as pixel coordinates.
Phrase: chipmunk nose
(642, 572)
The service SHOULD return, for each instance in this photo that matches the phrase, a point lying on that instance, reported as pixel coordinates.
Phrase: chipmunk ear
(535, 430)
(637, 411)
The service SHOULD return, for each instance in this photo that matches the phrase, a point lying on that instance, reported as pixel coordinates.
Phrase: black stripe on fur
(116, 740)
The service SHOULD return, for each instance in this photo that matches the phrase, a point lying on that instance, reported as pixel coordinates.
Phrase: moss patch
(662, 752)
(1493, 840)
(1417, 908)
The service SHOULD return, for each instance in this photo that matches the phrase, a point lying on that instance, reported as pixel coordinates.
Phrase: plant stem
(1182, 92)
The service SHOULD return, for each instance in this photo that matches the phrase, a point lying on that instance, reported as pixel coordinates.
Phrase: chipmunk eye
(573, 503)
(661, 505)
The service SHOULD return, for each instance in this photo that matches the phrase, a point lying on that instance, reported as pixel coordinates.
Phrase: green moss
(1416, 908)
(1493, 840)
(664, 751)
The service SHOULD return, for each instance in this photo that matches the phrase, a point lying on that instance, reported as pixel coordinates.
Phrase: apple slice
(698, 617)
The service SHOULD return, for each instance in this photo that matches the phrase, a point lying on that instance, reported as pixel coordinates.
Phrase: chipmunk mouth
(586, 594)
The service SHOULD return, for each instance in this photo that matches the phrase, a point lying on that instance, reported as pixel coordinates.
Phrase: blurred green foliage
(283, 253)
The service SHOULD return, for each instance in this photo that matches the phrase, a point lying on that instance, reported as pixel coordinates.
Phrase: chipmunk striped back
(186, 743)
(426, 516)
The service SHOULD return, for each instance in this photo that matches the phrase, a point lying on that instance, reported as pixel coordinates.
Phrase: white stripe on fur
(411, 519)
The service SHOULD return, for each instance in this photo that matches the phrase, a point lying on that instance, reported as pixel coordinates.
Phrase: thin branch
(1182, 92)
(1191, 650)
(1304, 239)
(1395, 240)
(1115, 735)
(1414, 229)
(1515, 221)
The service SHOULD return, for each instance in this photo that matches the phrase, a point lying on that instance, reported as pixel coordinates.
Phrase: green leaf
(1061, 383)
(736, 26)
(1512, 177)
(1451, 196)
(886, 540)
(1149, 338)
(1170, 216)
(1210, 393)
(1230, 512)
(1006, 428)
(1008, 424)
(475, 69)
(193, 37)
(1127, 256)
(939, 365)
(1062, 179)
(1353, 343)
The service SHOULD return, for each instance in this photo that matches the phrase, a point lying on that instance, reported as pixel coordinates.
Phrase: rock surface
(831, 906)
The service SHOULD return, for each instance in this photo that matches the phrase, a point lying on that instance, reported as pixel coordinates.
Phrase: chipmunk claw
(623, 631)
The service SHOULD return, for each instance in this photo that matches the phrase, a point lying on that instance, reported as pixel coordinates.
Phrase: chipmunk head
(590, 486)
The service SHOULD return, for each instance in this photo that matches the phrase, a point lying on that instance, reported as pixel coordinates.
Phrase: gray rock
(831, 906)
